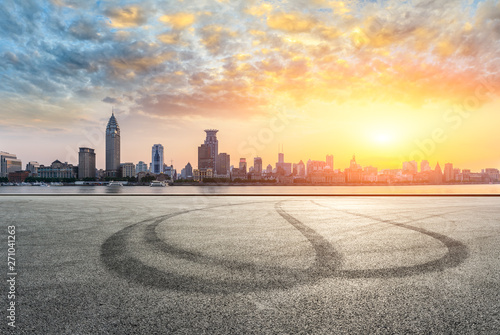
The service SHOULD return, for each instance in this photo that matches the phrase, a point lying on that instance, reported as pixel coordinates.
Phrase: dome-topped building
(113, 145)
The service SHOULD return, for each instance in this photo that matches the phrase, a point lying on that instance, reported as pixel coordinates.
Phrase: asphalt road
(261, 265)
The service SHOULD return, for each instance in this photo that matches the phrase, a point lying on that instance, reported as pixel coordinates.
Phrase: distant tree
(148, 179)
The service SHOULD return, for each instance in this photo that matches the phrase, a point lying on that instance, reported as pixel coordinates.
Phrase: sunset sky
(385, 80)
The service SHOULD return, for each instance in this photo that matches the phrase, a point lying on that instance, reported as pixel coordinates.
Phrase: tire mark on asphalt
(327, 258)
(456, 254)
(115, 256)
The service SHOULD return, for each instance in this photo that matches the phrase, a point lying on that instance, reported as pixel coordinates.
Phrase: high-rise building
(141, 167)
(437, 175)
(112, 146)
(170, 171)
(205, 160)
(281, 157)
(283, 168)
(424, 166)
(243, 165)
(188, 171)
(9, 163)
(448, 172)
(223, 164)
(127, 170)
(86, 163)
(157, 159)
(213, 143)
(257, 165)
(300, 169)
(329, 162)
(411, 167)
(269, 169)
(32, 168)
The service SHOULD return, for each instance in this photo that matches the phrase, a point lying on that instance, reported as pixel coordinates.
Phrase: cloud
(179, 20)
(110, 100)
(131, 16)
(217, 39)
(291, 22)
(212, 59)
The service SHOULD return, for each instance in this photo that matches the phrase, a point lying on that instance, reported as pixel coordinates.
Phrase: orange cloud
(291, 22)
(179, 20)
(126, 17)
(171, 38)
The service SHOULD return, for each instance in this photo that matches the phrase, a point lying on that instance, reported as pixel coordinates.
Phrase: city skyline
(390, 81)
(212, 164)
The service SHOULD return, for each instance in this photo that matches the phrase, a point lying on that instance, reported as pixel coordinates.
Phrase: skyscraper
(243, 165)
(223, 164)
(424, 166)
(112, 146)
(448, 172)
(157, 159)
(205, 160)
(329, 161)
(188, 171)
(86, 163)
(9, 163)
(257, 165)
(141, 167)
(213, 143)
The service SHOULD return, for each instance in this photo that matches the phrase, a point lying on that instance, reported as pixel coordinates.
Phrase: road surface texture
(254, 265)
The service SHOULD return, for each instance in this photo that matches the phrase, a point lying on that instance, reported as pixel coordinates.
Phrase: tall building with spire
(212, 142)
(112, 146)
(157, 160)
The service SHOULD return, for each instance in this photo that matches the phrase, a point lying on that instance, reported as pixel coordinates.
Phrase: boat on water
(115, 184)
(156, 183)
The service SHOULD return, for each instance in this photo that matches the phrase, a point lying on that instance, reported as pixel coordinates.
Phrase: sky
(388, 81)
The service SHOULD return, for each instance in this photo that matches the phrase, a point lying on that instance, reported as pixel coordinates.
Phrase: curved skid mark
(457, 253)
(115, 256)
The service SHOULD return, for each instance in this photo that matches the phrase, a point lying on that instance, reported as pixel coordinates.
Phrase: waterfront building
(18, 176)
(9, 163)
(448, 173)
(188, 171)
(424, 166)
(141, 167)
(410, 167)
(329, 162)
(32, 168)
(58, 170)
(86, 163)
(243, 165)
(212, 142)
(257, 165)
(269, 169)
(127, 170)
(354, 174)
(492, 175)
(157, 160)
(205, 157)
(299, 169)
(223, 165)
(170, 171)
(282, 168)
(437, 177)
(199, 175)
(112, 146)
(315, 166)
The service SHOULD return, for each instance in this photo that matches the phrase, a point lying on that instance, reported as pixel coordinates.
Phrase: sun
(382, 138)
